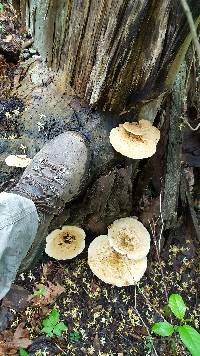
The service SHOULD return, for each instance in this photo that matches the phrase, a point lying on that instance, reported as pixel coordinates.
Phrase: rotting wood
(113, 53)
(173, 160)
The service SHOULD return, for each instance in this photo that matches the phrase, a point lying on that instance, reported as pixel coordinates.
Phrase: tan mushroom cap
(144, 128)
(129, 237)
(112, 267)
(66, 243)
(135, 140)
(20, 161)
(130, 145)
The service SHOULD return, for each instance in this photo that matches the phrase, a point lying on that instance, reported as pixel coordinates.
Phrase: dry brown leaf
(46, 269)
(21, 337)
(52, 292)
(10, 343)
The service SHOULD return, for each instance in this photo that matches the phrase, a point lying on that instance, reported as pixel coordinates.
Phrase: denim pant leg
(18, 227)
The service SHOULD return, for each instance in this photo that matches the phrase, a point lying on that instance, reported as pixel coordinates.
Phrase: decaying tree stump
(114, 53)
(121, 59)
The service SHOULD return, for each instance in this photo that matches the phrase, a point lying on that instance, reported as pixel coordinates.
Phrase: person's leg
(18, 228)
(56, 176)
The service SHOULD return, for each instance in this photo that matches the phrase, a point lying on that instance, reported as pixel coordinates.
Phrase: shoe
(56, 175)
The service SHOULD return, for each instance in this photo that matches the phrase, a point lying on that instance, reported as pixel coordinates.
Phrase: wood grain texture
(114, 53)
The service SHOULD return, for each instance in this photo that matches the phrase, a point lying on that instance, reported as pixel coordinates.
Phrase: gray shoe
(57, 174)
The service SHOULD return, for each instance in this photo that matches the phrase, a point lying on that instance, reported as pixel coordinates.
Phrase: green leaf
(74, 336)
(177, 306)
(1, 7)
(163, 328)
(23, 352)
(39, 292)
(166, 311)
(59, 328)
(54, 317)
(47, 322)
(190, 338)
(47, 330)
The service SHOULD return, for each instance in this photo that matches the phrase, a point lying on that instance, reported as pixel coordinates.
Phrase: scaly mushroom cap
(130, 145)
(144, 129)
(66, 243)
(20, 161)
(135, 140)
(112, 267)
(129, 237)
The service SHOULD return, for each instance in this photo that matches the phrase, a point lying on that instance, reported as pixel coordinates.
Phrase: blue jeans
(18, 228)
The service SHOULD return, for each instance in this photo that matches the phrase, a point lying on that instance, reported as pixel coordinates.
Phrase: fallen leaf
(10, 342)
(52, 292)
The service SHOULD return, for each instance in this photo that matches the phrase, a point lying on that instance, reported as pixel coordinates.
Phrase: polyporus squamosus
(20, 161)
(135, 140)
(112, 267)
(129, 237)
(66, 243)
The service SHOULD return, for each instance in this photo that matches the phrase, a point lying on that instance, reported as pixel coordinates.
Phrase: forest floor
(100, 319)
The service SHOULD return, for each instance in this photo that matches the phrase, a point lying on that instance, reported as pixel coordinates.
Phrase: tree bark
(115, 53)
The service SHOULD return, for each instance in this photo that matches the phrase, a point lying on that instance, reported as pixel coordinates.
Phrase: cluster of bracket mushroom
(120, 258)
(135, 140)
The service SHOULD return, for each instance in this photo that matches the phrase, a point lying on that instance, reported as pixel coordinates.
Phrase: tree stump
(120, 60)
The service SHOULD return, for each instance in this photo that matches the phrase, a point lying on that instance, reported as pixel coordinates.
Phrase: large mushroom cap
(129, 237)
(111, 267)
(135, 140)
(66, 243)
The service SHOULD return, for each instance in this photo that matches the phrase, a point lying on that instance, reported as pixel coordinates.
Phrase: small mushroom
(135, 140)
(129, 237)
(112, 267)
(20, 161)
(66, 243)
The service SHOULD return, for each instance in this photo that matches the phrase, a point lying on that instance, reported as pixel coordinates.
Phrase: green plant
(1, 7)
(148, 345)
(23, 352)
(188, 335)
(74, 336)
(53, 325)
(40, 292)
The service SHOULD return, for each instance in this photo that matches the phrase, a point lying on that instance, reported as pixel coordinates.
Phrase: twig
(63, 352)
(192, 26)
(149, 303)
(143, 322)
(162, 224)
(153, 231)
(191, 128)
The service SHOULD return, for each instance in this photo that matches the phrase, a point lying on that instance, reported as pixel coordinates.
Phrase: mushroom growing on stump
(66, 243)
(112, 267)
(129, 237)
(135, 140)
